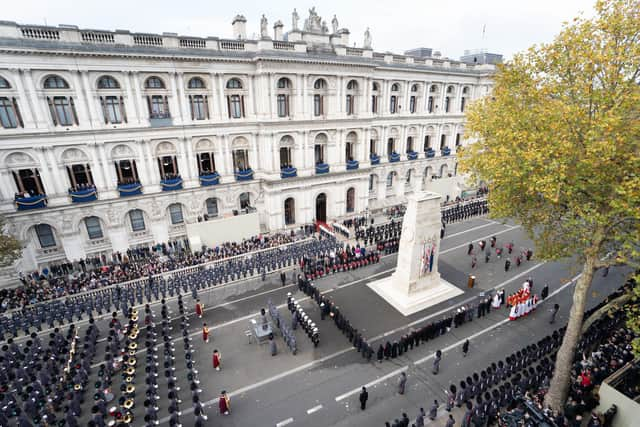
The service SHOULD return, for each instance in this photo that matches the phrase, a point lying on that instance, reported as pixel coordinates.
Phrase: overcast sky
(396, 25)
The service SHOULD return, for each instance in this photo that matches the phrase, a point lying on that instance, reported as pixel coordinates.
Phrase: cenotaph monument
(416, 283)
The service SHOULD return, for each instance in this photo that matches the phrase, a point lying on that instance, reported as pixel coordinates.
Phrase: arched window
(289, 211)
(175, 214)
(112, 105)
(45, 235)
(212, 207)
(245, 200)
(409, 144)
(352, 87)
(154, 82)
(351, 200)
(198, 99)
(320, 86)
(234, 84)
(433, 88)
(284, 83)
(108, 82)
(55, 82)
(94, 229)
(235, 99)
(374, 86)
(414, 88)
(286, 152)
(136, 217)
(284, 89)
(395, 87)
(10, 113)
(450, 89)
(4, 84)
(393, 102)
(443, 141)
(196, 83)
(374, 97)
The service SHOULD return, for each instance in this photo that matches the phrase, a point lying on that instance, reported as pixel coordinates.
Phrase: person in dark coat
(554, 311)
(402, 383)
(387, 350)
(436, 362)
(545, 291)
(433, 412)
(420, 418)
(283, 278)
(450, 422)
(364, 396)
(380, 353)
(465, 348)
(394, 350)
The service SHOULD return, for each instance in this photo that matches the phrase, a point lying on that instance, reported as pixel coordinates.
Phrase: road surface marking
(464, 245)
(285, 422)
(450, 347)
(473, 229)
(314, 409)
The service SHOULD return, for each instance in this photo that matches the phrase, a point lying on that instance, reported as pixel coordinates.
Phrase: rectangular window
(158, 108)
(175, 211)
(318, 109)
(349, 108)
(447, 101)
(372, 146)
(374, 104)
(319, 153)
(112, 110)
(285, 157)
(8, 118)
(212, 208)
(240, 160)
(137, 220)
(283, 106)
(393, 106)
(412, 104)
(93, 228)
(235, 106)
(430, 104)
(45, 236)
(462, 102)
(198, 107)
(391, 146)
(63, 111)
(207, 163)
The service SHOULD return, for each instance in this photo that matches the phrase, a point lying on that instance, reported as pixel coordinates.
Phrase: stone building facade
(110, 140)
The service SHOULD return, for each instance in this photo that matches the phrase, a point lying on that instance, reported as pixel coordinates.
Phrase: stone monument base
(429, 292)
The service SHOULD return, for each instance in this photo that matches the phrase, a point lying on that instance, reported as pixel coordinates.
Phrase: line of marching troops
(375, 234)
(464, 210)
(121, 297)
(287, 333)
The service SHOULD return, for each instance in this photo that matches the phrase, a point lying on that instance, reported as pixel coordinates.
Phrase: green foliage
(10, 247)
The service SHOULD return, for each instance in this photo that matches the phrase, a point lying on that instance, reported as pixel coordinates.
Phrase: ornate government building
(115, 139)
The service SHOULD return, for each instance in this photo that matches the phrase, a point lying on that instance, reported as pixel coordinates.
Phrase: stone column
(174, 102)
(48, 181)
(183, 165)
(250, 103)
(97, 120)
(425, 98)
(111, 180)
(144, 174)
(80, 101)
(96, 168)
(23, 101)
(131, 107)
(305, 107)
(41, 113)
(405, 101)
(58, 177)
(182, 99)
(214, 103)
(143, 110)
(220, 98)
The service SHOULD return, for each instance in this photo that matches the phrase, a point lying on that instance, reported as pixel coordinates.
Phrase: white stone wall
(49, 148)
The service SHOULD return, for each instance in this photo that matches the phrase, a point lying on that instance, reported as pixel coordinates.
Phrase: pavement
(319, 386)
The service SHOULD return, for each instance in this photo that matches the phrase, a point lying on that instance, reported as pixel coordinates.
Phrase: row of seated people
(149, 289)
(67, 278)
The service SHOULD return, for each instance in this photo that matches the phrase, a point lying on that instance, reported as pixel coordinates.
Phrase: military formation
(464, 210)
(121, 297)
(287, 333)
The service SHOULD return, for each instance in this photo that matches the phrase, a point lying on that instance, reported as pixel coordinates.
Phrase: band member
(199, 309)
(205, 333)
(216, 360)
(224, 404)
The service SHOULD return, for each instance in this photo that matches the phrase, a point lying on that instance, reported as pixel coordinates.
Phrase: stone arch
(73, 155)
(122, 152)
(409, 175)
(287, 141)
(124, 217)
(350, 202)
(321, 138)
(165, 148)
(205, 145)
(17, 159)
(444, 170)
(428, 173)
(240, 142)
(167, 211)
(289, 209)
(61, 74)
(79, 220)
(27, 229)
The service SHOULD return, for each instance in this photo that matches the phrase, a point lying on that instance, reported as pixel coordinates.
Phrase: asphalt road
(320, 386)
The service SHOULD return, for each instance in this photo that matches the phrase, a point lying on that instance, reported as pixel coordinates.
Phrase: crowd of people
(511, 391)
(152, 288)
(464, 209)
(69, 278)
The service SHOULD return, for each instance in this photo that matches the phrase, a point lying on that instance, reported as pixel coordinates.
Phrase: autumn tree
(10, 247)
(558, 143)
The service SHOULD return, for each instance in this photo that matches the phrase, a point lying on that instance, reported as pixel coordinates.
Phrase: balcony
(288, 172)
(130, 189)
(394, 157)
(171, 184)
(322, 168)
(159, 120)
(412, 155)
(208, 179)
(244, 175)
(83, 195)
(352, 165)
(445, 151)
(430, 153)
(31, 202)
(375, 159)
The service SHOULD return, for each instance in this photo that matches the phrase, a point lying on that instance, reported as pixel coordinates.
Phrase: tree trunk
(559, 388)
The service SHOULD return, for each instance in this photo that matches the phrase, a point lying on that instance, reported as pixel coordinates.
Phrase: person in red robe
(223, 403)
(199, 309)
(205, 333)
(216, 360)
